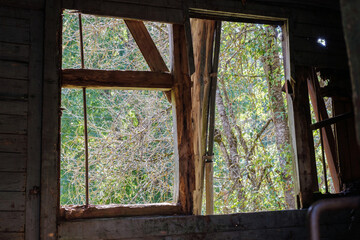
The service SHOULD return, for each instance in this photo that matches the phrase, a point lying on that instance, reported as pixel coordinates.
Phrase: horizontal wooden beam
(331, 121)
(116, 210)
(109, 79)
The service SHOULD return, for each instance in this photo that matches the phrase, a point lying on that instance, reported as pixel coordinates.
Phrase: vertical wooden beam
(351, 19)
(328, 136)
(181, 98)
(51, 122)
(203, 38)
(306, 166)
(33, 166)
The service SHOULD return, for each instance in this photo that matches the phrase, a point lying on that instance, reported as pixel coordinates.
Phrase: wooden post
(306, 166)
(51, 122)
(329, 140)
(181, 98)
(203, 37)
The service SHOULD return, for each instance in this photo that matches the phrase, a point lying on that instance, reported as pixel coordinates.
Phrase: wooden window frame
(177, 87)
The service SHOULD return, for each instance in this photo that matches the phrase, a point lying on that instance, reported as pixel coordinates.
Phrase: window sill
(117, 210)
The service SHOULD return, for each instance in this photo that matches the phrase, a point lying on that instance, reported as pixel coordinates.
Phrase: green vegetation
(131, 147)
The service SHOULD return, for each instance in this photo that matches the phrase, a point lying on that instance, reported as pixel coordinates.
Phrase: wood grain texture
(12, 162)
(11, 236)
(12, 222)
(146, 46)
(350, 21)
(106, 79)
(12, 181)
(12, 201)
(12, 69)
(203, 36)
(16, 52)
(13, 89)
(128, 10)
(14, 34)
(181, 97)
(13, 107)
(15, 124)
(50, 149)
(13, 143)
(34, 123)
(116, 210)
(306, 167)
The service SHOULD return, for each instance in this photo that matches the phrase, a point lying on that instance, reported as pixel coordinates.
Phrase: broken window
(117, 131)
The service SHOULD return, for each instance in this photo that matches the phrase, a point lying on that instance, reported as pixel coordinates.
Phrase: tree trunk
(272, 68)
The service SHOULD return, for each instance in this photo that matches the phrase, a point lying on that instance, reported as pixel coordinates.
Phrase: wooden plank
(13, 12)
(320, 60)
(12, 201)
(12, 69)
(105, 79)
(32, 220)
(28, 4)
(181, 98)
(15, 52)
(12, 222)
(11, 236)
(15, 22)
(155, 3)
(147, 46)
(12, 162)
(127, 10)
(310, 44)
(327, 133)
(13, 34)
(13, 124)
(13, 143)
(203, 36)
(122, 228)
(50, 151)
(12, 181)
(13, 89)
(116, 210)
(13, 107)
(306, 168)
(350, 20)
(313, 30)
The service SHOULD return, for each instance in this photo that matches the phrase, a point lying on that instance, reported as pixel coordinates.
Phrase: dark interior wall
(21, 92)
(21, 47)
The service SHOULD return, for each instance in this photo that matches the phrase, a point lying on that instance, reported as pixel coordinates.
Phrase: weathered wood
(13, 89)
(13, 107)
(12, 181)
(181, 97)
(12, 162)
(11, 236)
(14, 34)
(32, 211)
(27, 4)
(203, 36)
(11, 222)
(327, 133)
(306, 167)
(12, 201)
(13, 12)
(116, 210)
(15, 52)
(50, 191)
(162, 13)
(348, 149)
(13, 143)
(320, 60)
(350, 21)
(13, 124)
(106, 79)
(331, 121)
(11, 69)
(147, 46)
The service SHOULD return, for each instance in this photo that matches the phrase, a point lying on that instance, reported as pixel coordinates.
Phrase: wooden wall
(20, 118)
(21, 93)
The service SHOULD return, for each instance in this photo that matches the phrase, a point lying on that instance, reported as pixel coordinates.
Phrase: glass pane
(70, 40)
